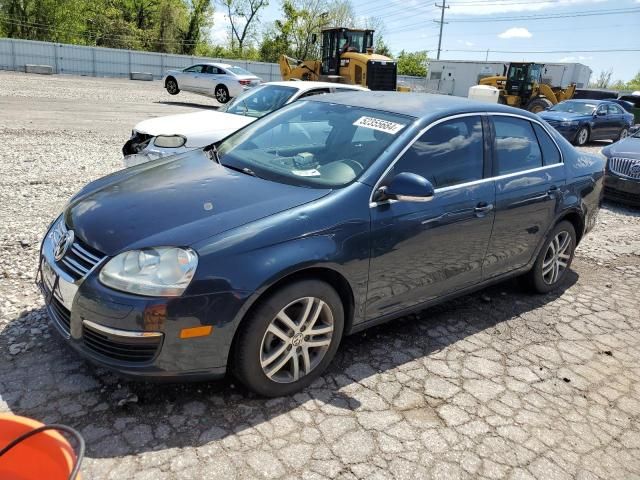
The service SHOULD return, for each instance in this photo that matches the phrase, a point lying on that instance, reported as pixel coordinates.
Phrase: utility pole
(441, 22)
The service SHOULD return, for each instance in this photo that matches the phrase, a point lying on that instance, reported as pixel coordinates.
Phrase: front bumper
(620, 189)
(134, 335)
(569, 132)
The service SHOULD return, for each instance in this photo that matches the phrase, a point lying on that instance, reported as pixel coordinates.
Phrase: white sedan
(217, 80)
(163, 136)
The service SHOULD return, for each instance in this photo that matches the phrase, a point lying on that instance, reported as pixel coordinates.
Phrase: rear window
(516, 145)
(239, 71)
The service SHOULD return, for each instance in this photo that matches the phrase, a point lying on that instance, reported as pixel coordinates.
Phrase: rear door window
(516, 145)
(550, 153)
(194, 69)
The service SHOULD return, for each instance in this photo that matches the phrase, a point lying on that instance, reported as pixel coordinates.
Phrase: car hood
(628, 148)
(563, 116)
(176, 201)
(200, 128)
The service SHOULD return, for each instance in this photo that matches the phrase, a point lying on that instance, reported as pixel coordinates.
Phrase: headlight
(157, 272)
(570, 123)
(169, 141)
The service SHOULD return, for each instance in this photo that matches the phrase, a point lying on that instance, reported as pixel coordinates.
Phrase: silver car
(218, 80)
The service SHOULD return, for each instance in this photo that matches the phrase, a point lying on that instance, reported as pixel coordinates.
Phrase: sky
(473, 28)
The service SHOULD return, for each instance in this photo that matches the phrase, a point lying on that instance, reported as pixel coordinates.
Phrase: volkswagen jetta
(259, 254)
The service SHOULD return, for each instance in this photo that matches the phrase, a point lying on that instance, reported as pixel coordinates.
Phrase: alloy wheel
(172, 86)
(583, 136)
(556, 258)
(624, 133)
(221, 95)
(296, 340)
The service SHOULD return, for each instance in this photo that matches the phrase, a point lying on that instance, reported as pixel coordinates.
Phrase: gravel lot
(499, 384)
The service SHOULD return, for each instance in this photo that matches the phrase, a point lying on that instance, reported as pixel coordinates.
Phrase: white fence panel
(75, 59)
(110, 62)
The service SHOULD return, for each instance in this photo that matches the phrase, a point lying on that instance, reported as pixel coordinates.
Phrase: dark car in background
(622, 178)
(258, 254)
(582, 121)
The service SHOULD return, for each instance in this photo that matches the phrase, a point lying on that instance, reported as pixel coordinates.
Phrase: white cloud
(466, 43)
(482, 7)
(516, 32)
(219, 33)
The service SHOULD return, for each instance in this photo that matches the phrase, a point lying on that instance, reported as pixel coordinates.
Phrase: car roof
(419, 105)
(308, 85)
(587, 100)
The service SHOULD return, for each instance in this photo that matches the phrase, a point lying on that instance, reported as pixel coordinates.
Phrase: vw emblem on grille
(635, 169)
(63, 244)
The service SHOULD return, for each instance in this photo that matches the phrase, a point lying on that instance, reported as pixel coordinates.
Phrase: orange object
(46, 455)
(196, 332)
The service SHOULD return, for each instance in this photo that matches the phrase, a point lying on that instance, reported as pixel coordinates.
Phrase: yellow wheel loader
(347, 57)
(522, 87)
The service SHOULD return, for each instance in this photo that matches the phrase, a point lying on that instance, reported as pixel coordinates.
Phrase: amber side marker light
(196, 332)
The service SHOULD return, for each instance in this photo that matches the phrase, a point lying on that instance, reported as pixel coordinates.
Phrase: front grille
(626, 167)
(60, 315)
(382, 75)
(80, 258)
(124, 349)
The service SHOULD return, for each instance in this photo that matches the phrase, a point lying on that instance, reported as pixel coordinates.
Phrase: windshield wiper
(214, 153)
(245, 170)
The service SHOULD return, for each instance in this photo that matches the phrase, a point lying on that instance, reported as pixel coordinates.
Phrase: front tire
(539, 104)
(289, 339)
(554, 258)
(172, 86)
(222, 94)
(582, 137)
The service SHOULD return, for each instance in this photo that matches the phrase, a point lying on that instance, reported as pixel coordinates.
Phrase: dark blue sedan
(259, 254)
(582, 121)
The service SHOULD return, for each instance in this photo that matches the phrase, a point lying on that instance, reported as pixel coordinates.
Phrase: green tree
(243, 16)
(634, 83)
(412, 63)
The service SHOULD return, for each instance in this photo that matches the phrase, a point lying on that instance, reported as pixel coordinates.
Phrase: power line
(442, 7)
(608, 50)
(550, 16)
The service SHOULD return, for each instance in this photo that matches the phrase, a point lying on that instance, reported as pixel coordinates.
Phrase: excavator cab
(522, 78)
(336, 41)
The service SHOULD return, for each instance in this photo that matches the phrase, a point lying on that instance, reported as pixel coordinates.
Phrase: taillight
(245, 82)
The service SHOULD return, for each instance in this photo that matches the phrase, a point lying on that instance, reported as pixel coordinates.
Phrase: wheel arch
(324, 273)
(170, 77)
(576, 219)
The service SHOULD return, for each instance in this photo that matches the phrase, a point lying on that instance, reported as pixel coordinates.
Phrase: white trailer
(454, 77)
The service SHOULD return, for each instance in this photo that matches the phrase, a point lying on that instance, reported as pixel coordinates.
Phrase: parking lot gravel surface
(498, 384)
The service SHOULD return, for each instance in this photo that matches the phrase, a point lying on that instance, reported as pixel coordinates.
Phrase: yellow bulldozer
(522, 87)
(347, 57)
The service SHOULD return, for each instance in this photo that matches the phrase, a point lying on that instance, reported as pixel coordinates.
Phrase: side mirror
(406, 187)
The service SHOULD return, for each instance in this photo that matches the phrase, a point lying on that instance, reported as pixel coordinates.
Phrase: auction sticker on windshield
(379, 124)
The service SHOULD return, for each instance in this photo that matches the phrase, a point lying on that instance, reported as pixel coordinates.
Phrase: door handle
(483, 208)
(553, 191)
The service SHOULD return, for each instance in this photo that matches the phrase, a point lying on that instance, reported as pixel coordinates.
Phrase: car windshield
(260, 101)
(313, 144)
(239, 71)
(574, 107)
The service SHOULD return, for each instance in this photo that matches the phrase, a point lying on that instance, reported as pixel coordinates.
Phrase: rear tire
(624, 133)
(554, 259)
(539, 104)
(222, 94)
(172, 86)
(582, 137)
(289, 338)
